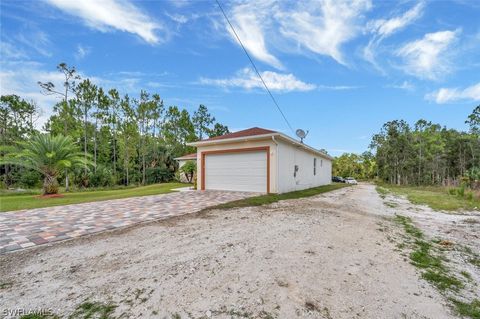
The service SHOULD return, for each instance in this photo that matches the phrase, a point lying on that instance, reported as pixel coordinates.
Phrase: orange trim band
(236, 150)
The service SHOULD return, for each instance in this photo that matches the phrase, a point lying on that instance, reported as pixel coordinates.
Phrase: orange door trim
(236, 150)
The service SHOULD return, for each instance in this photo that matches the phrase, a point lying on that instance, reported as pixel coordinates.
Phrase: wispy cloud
(250, 21)
(323, 27)
(429, 57)
(306, 27)
(387, 27)
(36, 40)
(338, 87)
(107, 15)
(248, 79)
(9, 51)
(383, 28)
(405, 85)
(446, 95)
(82, 51)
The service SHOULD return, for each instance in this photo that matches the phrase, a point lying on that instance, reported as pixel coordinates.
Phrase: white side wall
(290, 155)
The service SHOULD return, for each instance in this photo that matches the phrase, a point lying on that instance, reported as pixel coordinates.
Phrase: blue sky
(338, 69)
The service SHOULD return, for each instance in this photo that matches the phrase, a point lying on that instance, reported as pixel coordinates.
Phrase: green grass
(429, 259)
(17, 202)
(471, 309)
(408, 226)
(89, 310)
(436, 197)
(442, 280)
(272, 198)
(39, 316)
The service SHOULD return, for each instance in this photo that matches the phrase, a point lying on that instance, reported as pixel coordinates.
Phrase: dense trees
(423, 154)
(427, 153)
(129, 140)
(359, 166)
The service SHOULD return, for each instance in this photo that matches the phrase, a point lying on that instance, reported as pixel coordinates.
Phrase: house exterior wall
(283, 158)
(245, 145)
(290, 155)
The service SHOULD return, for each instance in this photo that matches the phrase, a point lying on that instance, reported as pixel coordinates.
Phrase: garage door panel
(236, 171)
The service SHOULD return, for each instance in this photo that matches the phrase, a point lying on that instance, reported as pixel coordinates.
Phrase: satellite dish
(301, 134)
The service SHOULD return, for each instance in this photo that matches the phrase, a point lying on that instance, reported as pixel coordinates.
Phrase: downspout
(277, 177)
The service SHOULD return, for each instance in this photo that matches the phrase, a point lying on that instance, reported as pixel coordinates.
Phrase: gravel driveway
(327, 256)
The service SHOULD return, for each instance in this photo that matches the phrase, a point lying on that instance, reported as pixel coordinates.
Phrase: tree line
(423, 154)
(129, 140)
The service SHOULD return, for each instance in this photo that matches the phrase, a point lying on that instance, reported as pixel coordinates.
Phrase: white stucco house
(260, 160)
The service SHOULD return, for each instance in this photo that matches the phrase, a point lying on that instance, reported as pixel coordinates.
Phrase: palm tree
(48, 155)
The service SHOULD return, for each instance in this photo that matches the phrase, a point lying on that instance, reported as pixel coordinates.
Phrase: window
(321, 163)
(314, 166)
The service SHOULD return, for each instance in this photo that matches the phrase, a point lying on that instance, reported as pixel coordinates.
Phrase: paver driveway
(27, 228)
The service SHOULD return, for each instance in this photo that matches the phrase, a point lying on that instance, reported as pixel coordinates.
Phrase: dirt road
(320, 257)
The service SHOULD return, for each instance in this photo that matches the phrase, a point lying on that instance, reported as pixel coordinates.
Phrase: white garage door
(237, 171)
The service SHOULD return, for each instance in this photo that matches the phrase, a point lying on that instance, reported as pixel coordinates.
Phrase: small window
(314, 166)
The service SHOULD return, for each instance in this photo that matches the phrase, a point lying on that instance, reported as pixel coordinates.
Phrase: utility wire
(254, 66)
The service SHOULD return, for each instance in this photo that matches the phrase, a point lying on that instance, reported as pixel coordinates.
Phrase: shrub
(189, 168)
(158, 175)
(101, 178)
(461, 191)
(469, 195)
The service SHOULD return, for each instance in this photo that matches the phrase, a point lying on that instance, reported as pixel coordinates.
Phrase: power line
(254, 66)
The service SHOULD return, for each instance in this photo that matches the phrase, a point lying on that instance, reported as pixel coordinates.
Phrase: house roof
(190, 156)
(257, 133)
(244, 133)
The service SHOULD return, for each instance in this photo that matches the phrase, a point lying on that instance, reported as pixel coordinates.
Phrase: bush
(158, 175)
(469, 195)
(452, 191)
(101, 178)
(189, 169)
(461, 191)
(30, 179)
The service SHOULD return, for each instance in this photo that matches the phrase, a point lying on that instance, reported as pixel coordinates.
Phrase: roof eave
(232, 140)
(259, 137)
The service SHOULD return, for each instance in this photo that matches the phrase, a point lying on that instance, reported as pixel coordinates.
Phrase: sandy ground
(321, 257)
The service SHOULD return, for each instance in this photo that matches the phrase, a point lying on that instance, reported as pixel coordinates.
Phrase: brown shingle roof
(248, 132)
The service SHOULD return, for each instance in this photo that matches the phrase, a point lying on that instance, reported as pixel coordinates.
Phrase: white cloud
(248, 79)
(178, 18)
(446, 95)
(405, 85)
(106, 15)
(21, 78)
(384, 28)
(338, 87)
(82, 52)
(323, 27)
(429, 57)
(318, 27)
(9, 51)
(250, 21)
(36, 40)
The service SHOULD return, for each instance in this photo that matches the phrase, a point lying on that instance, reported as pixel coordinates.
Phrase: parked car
(351, 180)
(338, 179)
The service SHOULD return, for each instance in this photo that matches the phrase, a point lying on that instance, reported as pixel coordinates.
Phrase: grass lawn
(10, 202)
(271, 198)
(436, 197)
